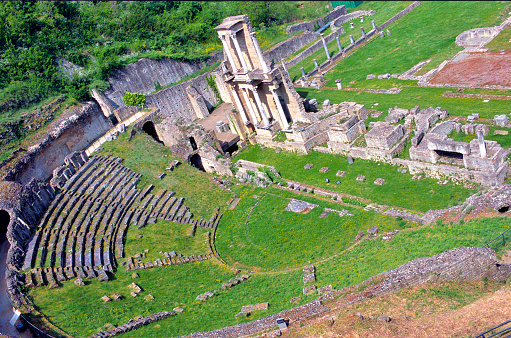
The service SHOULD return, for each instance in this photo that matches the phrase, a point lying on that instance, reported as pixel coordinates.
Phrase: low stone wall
(134, 324)
(348, 17)
(399, 15)
(309, 25)
(441, 171)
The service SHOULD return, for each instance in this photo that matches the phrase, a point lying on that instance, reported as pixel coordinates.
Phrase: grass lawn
(428, 31)
(260, 235)
(410, 97)
(148, 157)
(500, 42)
(399, 189)
(384, 11)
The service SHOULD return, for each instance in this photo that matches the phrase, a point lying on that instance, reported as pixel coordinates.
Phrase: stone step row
(139, 265)
(51, 276)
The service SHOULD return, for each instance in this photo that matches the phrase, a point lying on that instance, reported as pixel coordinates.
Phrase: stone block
(261, 306)
(359, 235)
(178, 309)
(79, 282)
(379, 181)
(340, 173)
(308, 166)
(309, 278)
(148, 298)
(117, 297)
(370, 77)
(373, 231)
(325, 289)
(309, 269)
(247, 308)
(361, 178)
(309, 290)
(295, 299)
(324, 170)
(105, 299)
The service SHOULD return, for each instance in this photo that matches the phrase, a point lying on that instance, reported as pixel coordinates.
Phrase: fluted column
(250, 108)
(240, 107)
(259, 52)
(260, 106)
(240, 54)
(283, 118)
(229, 55)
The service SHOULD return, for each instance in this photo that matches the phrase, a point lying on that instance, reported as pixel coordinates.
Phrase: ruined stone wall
(141, 76)
(441, 171)
(174, 101)
(75, 130)
(283, 49)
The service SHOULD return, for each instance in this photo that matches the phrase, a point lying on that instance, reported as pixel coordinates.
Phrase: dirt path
(6, 310)
(467, 321)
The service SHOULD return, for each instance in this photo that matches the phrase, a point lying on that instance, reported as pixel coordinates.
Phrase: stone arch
(196, 161)
(148, 128)
(504, 209)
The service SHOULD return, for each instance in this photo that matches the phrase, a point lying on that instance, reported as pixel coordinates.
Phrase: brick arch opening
(5, 219)
(150, 130)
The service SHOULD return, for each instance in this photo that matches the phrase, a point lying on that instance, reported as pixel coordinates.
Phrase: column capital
(253, 34)
(222, 37)
(233, 36)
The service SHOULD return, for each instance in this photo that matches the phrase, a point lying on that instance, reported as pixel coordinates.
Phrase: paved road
(6, 310)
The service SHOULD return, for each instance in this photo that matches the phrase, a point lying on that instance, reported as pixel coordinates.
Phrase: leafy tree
(134, 99)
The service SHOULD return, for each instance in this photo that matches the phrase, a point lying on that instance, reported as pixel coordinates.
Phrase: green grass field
(410, 97)
(148, 157)
(428, 31)
(260, 235)
(399, 190)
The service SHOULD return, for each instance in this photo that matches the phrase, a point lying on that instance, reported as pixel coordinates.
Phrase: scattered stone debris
(324, 170)
(388, 236)
(325, 289)
(340, 173)
(79, 282)
(308, 166)
(178, 309)
(309, 289)
(298, 206)
(361, 178)
(373, 230)
(360, 234)
(148, 298)
(161, 175)
(105, 299)
(379, 181)
(295, 299)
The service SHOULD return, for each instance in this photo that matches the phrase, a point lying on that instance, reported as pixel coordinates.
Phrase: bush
(134, 99)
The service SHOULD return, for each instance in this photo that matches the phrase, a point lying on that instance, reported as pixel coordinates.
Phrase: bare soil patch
(477, 69)
(423, 311)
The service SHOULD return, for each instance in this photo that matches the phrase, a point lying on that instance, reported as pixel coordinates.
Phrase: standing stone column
(338, 44)
(382, 35)
(361, 19)
(325, 46)
(260, 106)
(363, 32)
(240, 107)
(482, 145)
(283, 118)
(240, 54)
(250, 108)
(339, 85)
(259, 52)
(229, 55)
(351, 39)
(303, 71)
(316, 63)
(374, 24)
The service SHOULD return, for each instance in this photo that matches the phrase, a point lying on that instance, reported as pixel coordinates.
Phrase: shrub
(134, 99)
